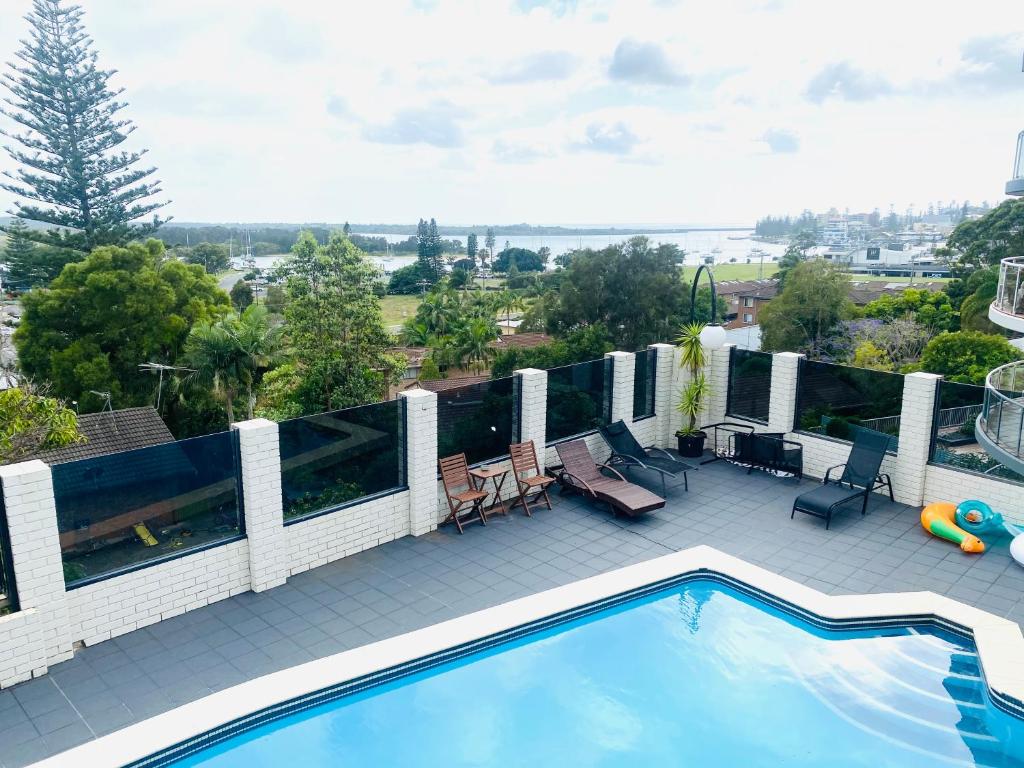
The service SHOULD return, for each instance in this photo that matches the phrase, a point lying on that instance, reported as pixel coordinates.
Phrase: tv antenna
(159, 368)
(105, 397)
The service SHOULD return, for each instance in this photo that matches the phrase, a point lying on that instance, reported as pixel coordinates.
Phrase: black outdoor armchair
(770, 451)
(860, 477)
(627, 452)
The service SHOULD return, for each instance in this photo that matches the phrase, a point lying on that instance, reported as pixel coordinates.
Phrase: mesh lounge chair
(524, 461)
(582, 474)
(466, 506)
(627, 452)
(860, 477)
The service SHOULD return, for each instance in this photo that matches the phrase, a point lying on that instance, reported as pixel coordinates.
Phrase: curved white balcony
(1007, 310)
(1000, 426)
(1015, 186)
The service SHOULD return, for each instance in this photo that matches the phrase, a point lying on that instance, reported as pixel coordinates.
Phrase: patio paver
(414, 582)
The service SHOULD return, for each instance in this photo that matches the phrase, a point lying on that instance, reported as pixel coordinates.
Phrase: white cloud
(644, 63)
(508, 111)
(781, 141)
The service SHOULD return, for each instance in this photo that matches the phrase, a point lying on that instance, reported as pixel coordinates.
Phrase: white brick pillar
(716, 373)
(623, 372)
(782, 402)
(665, 369)
(35, 552)
(919, 393)
(420, 408)
(261, 489)
(532, 385)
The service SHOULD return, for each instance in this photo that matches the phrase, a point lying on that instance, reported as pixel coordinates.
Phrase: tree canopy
(967, 356)
(103, 316)
(816, 297)
(932, 309)
(523, 259)
(634, 290)
(334, 327)
(70, 175)
(977, 243)
(31, 422)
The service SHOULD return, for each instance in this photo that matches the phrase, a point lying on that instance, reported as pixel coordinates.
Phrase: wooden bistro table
(497, 476)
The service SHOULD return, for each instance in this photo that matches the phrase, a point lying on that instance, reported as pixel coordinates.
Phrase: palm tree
(261, 346)
(219, 363)
(415, 333)
(475, 342)
(508, 301)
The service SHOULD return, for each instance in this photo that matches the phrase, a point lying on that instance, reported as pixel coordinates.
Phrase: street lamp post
(712, 336)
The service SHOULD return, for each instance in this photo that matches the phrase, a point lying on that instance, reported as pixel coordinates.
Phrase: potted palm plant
(691, 398)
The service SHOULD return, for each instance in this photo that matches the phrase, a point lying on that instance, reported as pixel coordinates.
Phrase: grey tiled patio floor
(411, 583)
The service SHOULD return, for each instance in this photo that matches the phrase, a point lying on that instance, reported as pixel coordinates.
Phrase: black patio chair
(627, 452)
(860, 477)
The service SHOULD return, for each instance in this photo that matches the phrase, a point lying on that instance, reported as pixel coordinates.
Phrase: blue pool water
(699, 675)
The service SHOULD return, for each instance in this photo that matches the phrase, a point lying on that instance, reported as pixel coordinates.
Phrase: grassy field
(394, 306)
(749, 272)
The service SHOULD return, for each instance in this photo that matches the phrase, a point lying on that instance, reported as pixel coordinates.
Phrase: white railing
(1002, 418)
(1010, 291)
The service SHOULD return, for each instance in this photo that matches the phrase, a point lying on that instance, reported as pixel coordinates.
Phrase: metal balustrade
(1001, 423)
(1010, 291)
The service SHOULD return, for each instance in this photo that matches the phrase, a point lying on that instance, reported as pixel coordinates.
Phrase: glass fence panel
(643, 383)
(577, 398)
(8, 595)
(125, 509)
(954, 443)
(330, 459)
(838, 400)
(476, 420)
(750, 384)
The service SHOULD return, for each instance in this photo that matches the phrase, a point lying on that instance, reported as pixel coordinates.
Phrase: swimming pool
(698, 674)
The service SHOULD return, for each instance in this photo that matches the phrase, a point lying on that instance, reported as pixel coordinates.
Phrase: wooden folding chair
(455, 475)
(524, 460)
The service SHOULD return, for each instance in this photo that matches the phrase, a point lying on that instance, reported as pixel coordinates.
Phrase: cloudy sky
(610, 111)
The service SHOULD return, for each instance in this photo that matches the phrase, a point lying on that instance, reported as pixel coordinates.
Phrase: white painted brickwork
(623, 373)
(124, 603)
(261, 485)
(716, 372)
(326, 538)
(421, 460)
(664, 407)
(23, 653)
(645, 431)
(918, 410)
(782, 400)
(35, 551)
(533, 407)
(946, 484)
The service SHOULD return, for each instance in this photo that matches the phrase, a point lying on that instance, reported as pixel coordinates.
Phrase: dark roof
(111, 432)
(521, 340)
(443, 385)
(762, 288)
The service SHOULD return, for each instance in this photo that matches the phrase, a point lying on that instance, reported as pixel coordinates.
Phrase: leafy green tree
(213, 257)
(983, 242)
(635, 291)
(867, 355)
(261, 345)
(980, 291)
(74, 180)
(471, 246)
(241, 295)
(578, 346)
(334, 326)
(489, 242)
(521, 259)
(31, 422)
(274, 301)
(931, 309)
(474, 340)
(816, 297)
(796, 253)
(29, 264)
(967, 356)
(429, 371)
(279, 397)
(104, 316)
(408, 280)
(218, 361)
(429, 251)
(346, 230)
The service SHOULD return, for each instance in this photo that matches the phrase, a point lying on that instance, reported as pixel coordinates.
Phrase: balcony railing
(1001, 423)
(1009, 298)
(1015, 186)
